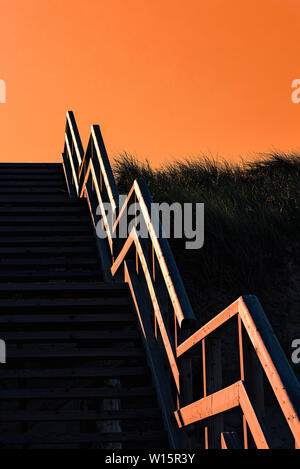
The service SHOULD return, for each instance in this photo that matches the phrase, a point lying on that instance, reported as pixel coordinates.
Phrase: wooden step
(33, 190)
(54, 318)
(32, 178)
(37, 199)
(42, 210)
(51, 250)
(49, 275)
(53, 261)
(30, 165)
(98, 437)
(30, 171)
(42, 219)
(84, 393)
(34, 201)
(64, 373)
(63, 302)
(68, 416)
(110, 353)
(55, 336)
(46, 240)
(98, 287)
(13, 230)
(55, 184)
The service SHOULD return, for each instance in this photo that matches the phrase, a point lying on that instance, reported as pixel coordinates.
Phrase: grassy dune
(252, 220)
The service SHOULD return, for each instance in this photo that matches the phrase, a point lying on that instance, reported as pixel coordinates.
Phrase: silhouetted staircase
(76, 372)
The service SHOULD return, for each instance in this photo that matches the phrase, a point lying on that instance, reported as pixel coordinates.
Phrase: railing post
(186, 382)
(254, 378)
(213, 384)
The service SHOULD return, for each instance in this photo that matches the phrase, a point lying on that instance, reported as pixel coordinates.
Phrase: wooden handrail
(269, 352)
(178, 296)
(90, 175)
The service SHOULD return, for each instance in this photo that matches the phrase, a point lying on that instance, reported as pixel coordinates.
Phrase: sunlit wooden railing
(166, 316)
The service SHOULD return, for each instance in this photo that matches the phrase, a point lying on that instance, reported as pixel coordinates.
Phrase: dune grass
(252, 214)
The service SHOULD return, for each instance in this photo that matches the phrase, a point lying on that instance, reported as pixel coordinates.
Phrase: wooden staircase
(103, 347)
(76, 374)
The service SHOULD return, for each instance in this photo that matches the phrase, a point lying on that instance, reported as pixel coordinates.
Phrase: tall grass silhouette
(252, 214)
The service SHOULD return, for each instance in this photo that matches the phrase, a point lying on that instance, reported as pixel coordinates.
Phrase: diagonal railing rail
(166, 316)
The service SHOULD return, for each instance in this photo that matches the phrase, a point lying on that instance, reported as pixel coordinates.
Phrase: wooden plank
(273, 360)
(68, 336)
(69, 416)
(64, 229)
(63, 302)
(100, 317)
(83, 438)
(44, 240)
(105, 166)
(158, 312)
(163, 252)
(54, 250)
(75, 135)
(84, 393)
(214, 383)
(68, 175)
(42, 210)
(208, 328)
(65, 373)
(214, 404)
(101, 287)
(56, 184)
(252, 419)
(39, 352)
(61, 218)
(172, 278)
(58, 261)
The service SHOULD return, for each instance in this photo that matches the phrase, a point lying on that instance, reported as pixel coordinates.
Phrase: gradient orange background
(163, 78)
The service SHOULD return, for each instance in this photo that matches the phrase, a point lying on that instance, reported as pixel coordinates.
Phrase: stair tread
(49, 265)
(38, 286)
(58, 240)
(77, 393)
(69, 415)
(60, 218)
(48, 250)
(60, 228)
(73, 372)
(56, 184)
(17, 176)
(44, 199)
(30, 165)
(84, 437)
(49, 276)
(49, 261)
(40, 352)
(36, 198)
(42, 210)
(66, 318)
(26, 302)
(67, 335)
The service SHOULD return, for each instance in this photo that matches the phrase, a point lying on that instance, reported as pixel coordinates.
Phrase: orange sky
(163, 78)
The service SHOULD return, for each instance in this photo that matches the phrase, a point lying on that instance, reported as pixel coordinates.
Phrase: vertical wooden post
(204, 388)
(245, 431)
(254, 379)
(186, 382)
(241, 348)
(213, 384)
